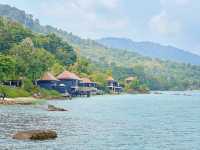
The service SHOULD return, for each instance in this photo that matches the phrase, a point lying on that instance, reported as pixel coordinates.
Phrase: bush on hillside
(14, 92)
(49, 93)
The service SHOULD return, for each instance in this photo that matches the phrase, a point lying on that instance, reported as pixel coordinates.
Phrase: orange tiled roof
(67, 75)
(86, 80)
(110, 78)
(130, 78)
(48, 77)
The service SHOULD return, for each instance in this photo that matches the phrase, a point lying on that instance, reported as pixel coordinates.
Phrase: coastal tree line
(156, 74)
(27, 55)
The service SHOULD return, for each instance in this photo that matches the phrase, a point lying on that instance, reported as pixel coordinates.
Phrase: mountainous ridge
(148, 49)
(157, 74)
(153, 50)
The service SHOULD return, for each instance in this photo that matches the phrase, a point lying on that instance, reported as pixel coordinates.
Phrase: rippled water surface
(126, 122)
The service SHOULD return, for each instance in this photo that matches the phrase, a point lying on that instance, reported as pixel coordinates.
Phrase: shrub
(49, 93)
(143, 88)
(14, 92)
(28, 85)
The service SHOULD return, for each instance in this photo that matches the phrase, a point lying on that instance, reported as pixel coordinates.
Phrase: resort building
(86, 85)
(130, 79)
(48, 81)
(12, 83)
(113, 85)
(70, 81)
(85, 82)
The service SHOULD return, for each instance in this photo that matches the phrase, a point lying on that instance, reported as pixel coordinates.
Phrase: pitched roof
(110, 78)
(48, 77)
(130, 78)
(86, 80)
(67, 75)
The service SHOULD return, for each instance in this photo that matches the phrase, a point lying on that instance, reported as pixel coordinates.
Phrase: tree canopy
(27, 54)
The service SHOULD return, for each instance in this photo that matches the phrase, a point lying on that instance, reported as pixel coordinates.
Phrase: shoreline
(22, 101)
(39, 101)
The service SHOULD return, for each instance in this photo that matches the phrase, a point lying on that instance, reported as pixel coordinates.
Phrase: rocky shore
(21, 101)
(7, 102)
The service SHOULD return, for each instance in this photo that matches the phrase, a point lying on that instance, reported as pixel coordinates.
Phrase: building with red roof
(130, 79)
(113, 85)
(86, 82)
(70, 80)
(66, 75)
(48, 77)
(47, 81)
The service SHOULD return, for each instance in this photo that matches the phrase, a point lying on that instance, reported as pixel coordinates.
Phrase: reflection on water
(148, 122)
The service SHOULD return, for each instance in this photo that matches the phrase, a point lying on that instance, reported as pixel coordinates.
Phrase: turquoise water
(126, 122)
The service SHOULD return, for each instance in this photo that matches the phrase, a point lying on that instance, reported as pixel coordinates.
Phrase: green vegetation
(136, 87)
(14, 92)
(28, 55)
(92, 59)
(156, 74)
(23, 92)
(49, 93)
(7, 66)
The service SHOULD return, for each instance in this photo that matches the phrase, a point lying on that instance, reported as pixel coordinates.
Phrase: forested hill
(26, 54)
(28, 20)
(153, 50)
(157, 74)
(149, 49)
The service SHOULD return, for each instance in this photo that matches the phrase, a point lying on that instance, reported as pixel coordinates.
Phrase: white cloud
(92, 5)
(83, 16)
(111, 4)
(163, 25)
(87, 6)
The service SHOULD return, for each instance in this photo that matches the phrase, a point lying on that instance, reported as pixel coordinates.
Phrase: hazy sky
(174, 22)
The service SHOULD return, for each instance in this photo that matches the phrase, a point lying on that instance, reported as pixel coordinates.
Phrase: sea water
(168, 121)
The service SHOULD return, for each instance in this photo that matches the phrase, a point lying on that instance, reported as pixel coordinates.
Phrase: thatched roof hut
(47, 81)
(86, 80)
(66, 75)
(130, 79)
(110, 78)
(48, 77)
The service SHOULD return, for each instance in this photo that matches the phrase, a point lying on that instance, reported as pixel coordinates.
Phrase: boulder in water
(35, 135)
(53, 108)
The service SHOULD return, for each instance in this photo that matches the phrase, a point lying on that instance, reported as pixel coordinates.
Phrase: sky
(169, 22)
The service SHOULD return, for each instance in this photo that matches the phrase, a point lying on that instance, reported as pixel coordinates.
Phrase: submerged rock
(7, 102)
(35, 135)
(53, 108)
(24, 103)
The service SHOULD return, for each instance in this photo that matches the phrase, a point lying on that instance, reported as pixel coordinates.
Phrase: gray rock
(53, 108)
(35, 135)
